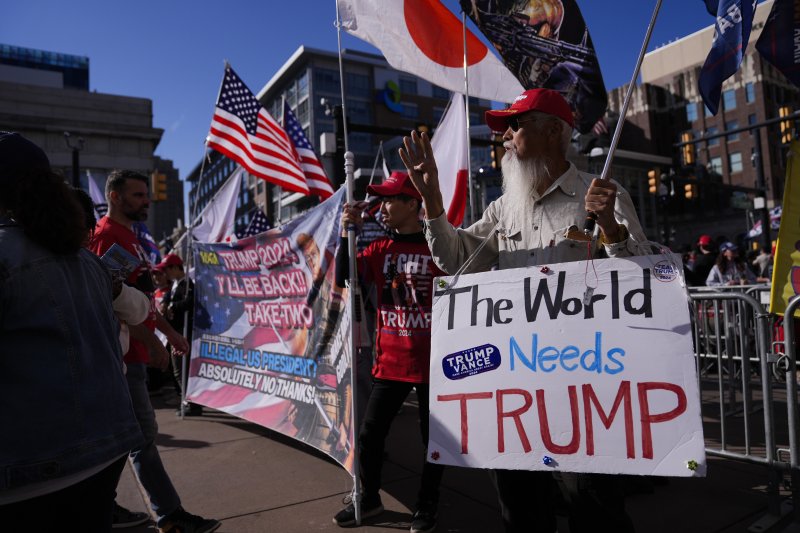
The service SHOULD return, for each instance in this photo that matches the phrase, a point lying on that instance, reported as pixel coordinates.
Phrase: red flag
(244, 131)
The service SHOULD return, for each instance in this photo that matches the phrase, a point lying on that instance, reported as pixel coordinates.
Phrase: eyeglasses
(514, 122)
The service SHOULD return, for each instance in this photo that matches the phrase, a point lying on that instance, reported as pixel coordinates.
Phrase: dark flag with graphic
(546, 44)
(731, 34)
(779, 42)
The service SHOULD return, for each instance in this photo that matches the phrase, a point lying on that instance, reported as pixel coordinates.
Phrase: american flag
(316, 178)
(243, 130)
(258, 224)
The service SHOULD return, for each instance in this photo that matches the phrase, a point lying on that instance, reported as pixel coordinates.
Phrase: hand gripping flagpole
(588, 227)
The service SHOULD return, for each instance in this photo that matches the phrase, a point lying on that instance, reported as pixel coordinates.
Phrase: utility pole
(76, 146)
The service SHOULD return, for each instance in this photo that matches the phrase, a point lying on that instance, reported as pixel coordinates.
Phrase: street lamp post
(76, 146)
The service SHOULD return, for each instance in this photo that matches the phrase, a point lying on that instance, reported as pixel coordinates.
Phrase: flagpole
(588, 227)
(353, 300)
(466, 114)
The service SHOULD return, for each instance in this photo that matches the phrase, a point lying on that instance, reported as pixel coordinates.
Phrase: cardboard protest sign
(533, 370)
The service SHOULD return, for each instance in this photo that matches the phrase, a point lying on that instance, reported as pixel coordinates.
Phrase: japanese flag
(424, 38)
(449, 145)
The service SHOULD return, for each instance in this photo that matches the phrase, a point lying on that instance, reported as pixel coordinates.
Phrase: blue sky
(173, 51)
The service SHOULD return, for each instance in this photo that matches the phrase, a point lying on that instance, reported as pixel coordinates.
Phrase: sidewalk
(255, 480)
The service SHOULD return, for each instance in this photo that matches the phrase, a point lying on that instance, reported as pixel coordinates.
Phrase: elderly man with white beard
(544, 196)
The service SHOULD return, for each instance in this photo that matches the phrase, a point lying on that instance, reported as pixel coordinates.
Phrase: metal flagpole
(466, 113)
(588, 227)
(353, 292)
(190, 262)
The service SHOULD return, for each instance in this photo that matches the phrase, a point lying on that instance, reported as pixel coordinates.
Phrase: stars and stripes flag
(243, 130)
(317, 180)
(258, 224)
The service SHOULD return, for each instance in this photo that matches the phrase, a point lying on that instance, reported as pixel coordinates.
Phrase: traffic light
(652, 180)
(158, 186)
(688, 149)
(688, 191)
(786, 125)
(497, 153)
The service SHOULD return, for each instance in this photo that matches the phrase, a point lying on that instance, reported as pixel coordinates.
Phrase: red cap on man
(170, 260)
(543, 100)
(704, 240)
(396, 183)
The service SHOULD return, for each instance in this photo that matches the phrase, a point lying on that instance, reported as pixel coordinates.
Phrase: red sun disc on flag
(439, 35)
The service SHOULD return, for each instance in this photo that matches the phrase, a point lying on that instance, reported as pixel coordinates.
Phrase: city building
(44, 95)
(711, 185)
(382, 105)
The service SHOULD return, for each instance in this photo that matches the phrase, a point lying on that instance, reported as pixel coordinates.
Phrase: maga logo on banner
(532, 370)
(271, 333)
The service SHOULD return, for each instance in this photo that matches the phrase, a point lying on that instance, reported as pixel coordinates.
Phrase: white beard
(521, 181)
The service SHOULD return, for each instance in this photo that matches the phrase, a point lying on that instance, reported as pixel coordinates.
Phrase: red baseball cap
(170, 260)
(704, 240)
(542, 100)
(396, 183)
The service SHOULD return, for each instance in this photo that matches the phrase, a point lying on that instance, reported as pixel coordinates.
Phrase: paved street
(255, 480)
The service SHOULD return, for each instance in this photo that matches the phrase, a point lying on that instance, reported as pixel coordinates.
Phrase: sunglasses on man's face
(514, 122)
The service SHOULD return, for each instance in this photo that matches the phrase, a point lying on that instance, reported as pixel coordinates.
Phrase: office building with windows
(711, 183)
(45, 94)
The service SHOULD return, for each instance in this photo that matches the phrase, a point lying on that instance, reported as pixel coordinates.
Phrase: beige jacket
(538, 239)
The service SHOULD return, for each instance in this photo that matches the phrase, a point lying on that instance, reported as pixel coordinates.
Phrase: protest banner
(533, 370)
(271, 332)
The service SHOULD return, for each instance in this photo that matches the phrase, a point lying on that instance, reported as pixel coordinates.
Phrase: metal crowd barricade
(753, 404)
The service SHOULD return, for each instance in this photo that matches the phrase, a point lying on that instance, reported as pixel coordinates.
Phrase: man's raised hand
(417, 156)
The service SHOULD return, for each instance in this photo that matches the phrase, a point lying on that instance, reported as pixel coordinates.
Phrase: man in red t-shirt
(128, 202)
(402, 270)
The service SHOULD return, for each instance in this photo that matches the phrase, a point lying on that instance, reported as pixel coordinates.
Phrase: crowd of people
(718, 262)
(77, 338)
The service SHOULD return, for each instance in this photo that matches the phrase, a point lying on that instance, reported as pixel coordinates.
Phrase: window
(751, 119)
(715, 165)
(729, 99)
(749, 93)
(410, 110)
(732, 125)
(408, 86)
(735, 162)
(302, 111)
(474, 118)
(357, 85)
(438, 113)
(359, 112)
(302, 86)
(691, 111)
(438, 92)
(361, 142)
(326, 81)
(708, 112)
(291, 95)
(713, 131)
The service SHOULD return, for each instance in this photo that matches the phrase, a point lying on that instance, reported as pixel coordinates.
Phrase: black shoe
(424, 521)
(125, 518)
(179, 521)
(347, 516)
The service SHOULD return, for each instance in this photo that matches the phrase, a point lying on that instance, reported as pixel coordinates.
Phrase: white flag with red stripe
(425, 38)
(449, 145)
(243, 130)
(317, 180)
